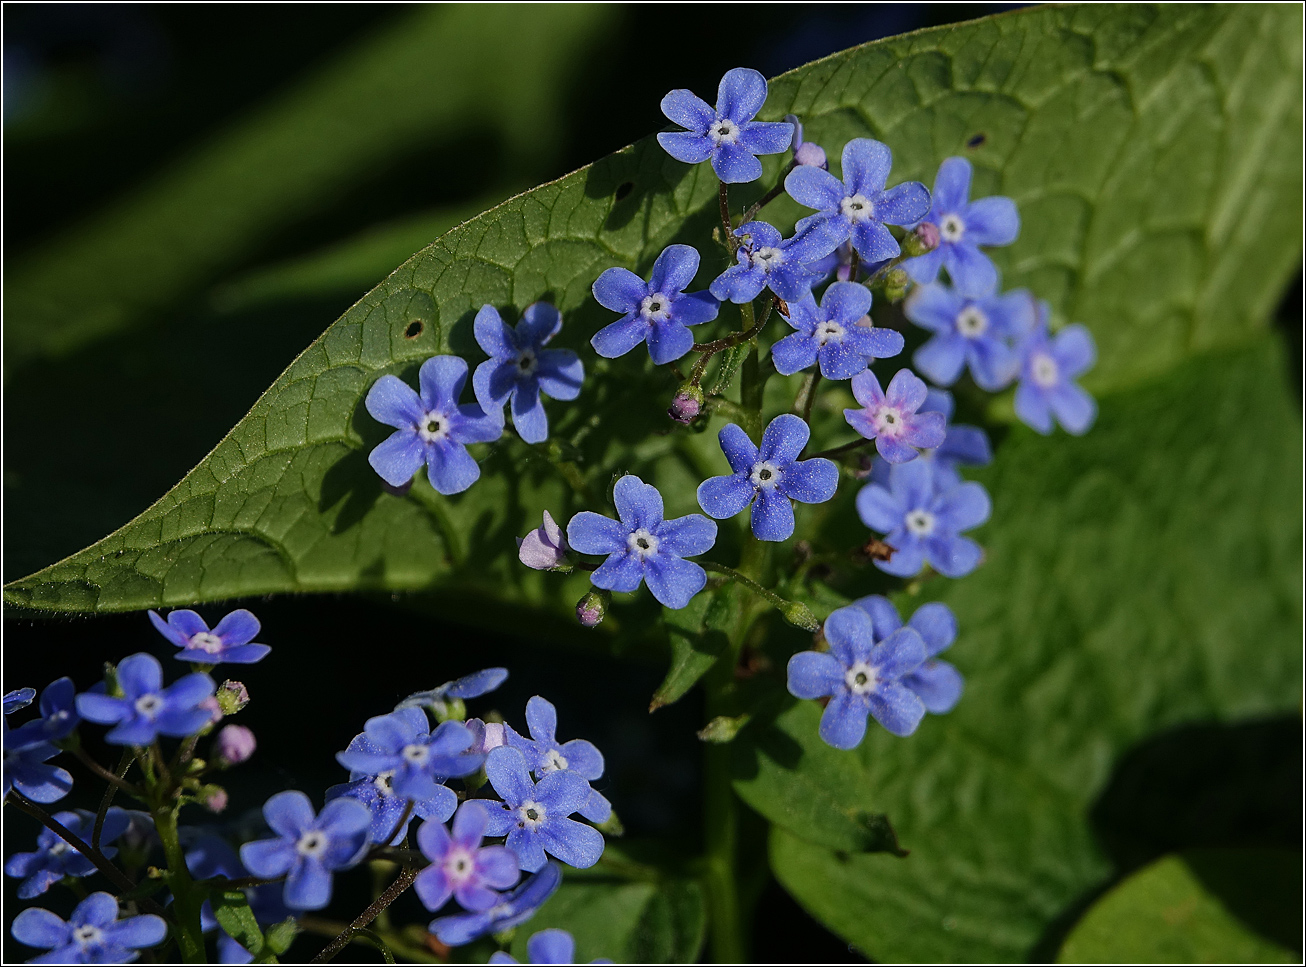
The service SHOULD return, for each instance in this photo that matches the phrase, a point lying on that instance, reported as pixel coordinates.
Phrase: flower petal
(963, 507)
(897, 708)
(735, 164)
(953, 556)
(686, 536)
(840, 360)
(542, 720)
(674, 269)
(620, 572)
(884, 616)
(560, 373)
(38, 927)
(971, 271)
(528, 416)
(740, 451)
(393, 402)
(724, 497)
(850, 634)
(846, 302)
(843, 723)
(308, 887)
(288, 813)
(441, 380)
(814, 674)
(866, 164)
(814, 188)
(783, 439)
(450, 468)
(688, 110)
(493, 335)
(668, 341)
(1074, 350)
(766, 137)
(398, 457)
(879, 509)
(866, 390)
(268, 857)
(873, 242)
(673, 580)
(574, 843)
(687, 146)
(794, 353)
(938, 685)
(620, 290)
(237, 628)
(638, 504)
(992, 221)
(741, 94)
(898, 654)
(140, 674)
(540, 322)
(812, 481)
(592, 533)
(1074, 408)
(952, 186)
(906, 391)
(738, 284)
(937, 626)
(506, 769)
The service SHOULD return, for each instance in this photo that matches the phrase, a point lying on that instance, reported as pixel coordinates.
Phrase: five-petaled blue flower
(1049, 366)
(56, 858)
(923, 523)
(657, 311)
(147, 709)
(962, 444)
(377, 793)
(520, 368)
(231, 642)
(768, 261)
(727, 134)
(861, 677)
(894, 420)
(962, 227)
(768, 477)
(859, 207)
(93, 934)
(643, 546)
(460, 867)
(838, 334)
(308, 848)
(417, 759)
(545, 754)
(970, 331)
(552, 946)
(433, 427)
(512, 910)
(937, 683)
(26, 768)
(533, 815)
(58, 711)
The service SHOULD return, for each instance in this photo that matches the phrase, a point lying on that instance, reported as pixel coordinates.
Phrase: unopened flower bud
(723, 728)
(591, 608)
(687, 404)
(545, 548)
(234, 744)
(214, 798)
(895, 283)
(485, 735)
(924, 239)
(232, 697)
(806, 152)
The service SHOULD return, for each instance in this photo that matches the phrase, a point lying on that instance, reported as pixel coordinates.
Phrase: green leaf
(281, 935)
(699, 633)
(1154, 152)
(1141, 577)
(1165, 913)
(231, 909)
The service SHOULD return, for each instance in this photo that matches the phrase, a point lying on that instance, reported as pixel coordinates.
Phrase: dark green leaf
(699, 633)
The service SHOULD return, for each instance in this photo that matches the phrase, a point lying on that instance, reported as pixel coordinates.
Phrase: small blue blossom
(768, 477)
(19, 698)
(962, 444)
(970, 331)
(837, 334)
(377, 793)
(511, 911)
(551, 946)
(644, 547)
(937, 683)
(26, 768)
(433, 428)
(894, 420)
(92, 935)
(545, 754)
(1049, 366)
(56, 858)
(308, 848)
(58, 711)
(962, 227)
(861, 677)
(727, 134)
(460, 867)
(534, 815)
(859, 207)
(922, 523)
(147, 709)
(417, 759)
(806, 152)
(520, 368)
(656, 312)
(231, 642)
(768, 261)
(469, 686)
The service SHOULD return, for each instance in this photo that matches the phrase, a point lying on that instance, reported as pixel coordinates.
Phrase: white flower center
(526, 362)
(554, 761)
(433, 427)
(655, 308)
(643, 543)
(828, 331)
(1045, 372)
(312, 844)
(920, 523)
(971, 322)
(149, 705)
(382, 783)
(857, 208)
(768, 258)
(723, 131)
(531, 815)
(860, 678)
(459, 865)
(59, 848)
(888, 421)
(765, 475)
(206, 641)
(87, 935)
(416, 754)
(951, 229)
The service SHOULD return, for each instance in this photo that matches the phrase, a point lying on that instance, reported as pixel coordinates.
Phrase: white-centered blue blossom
(1049, 366)
(727, 134)
(520, 367)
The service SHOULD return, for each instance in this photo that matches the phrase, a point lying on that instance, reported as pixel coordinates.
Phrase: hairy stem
(106, 800)
(187, 897)
(806, 394)
(723, 200)
(402, 882)
(795, 612)
(846, 448)
(105, 774)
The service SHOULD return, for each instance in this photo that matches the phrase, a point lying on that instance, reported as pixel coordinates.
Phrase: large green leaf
(1143, 576)
(1153, 150)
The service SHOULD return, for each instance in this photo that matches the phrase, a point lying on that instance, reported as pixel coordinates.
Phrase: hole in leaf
(414, 329)
(975, 140)
(624, 189)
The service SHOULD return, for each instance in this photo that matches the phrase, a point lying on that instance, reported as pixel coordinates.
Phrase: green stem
(795, 612)
(776, 191)
(107, 799)
(837, 451)
(187, 897)
(721, 830)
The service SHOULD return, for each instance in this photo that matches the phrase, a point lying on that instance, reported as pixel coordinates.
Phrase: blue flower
(433, 428)
(656, 311)
(806, 152)
(937, 683)
(534, 815)
(460, 867)
(231, 642)
(643, 546)
(377, 793)
(25, 766)
(19, 698)
(92, 935)
(768, 261)
(1048, 367)
(58, 711)
(923, 523)
(859, 207)
(56, 858)
(209, 855)
(511, 911)
(469, 686)
(838, 334)
(768, 477)
(419, 760)
(519, 367)
(962, 444)
(545, 754)
(894, 420)
(861, 677)
(962, 227)
(728, 135)
(551, 946)
(544, 548)
(147, 709)
(970, 331)
(307, 848)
